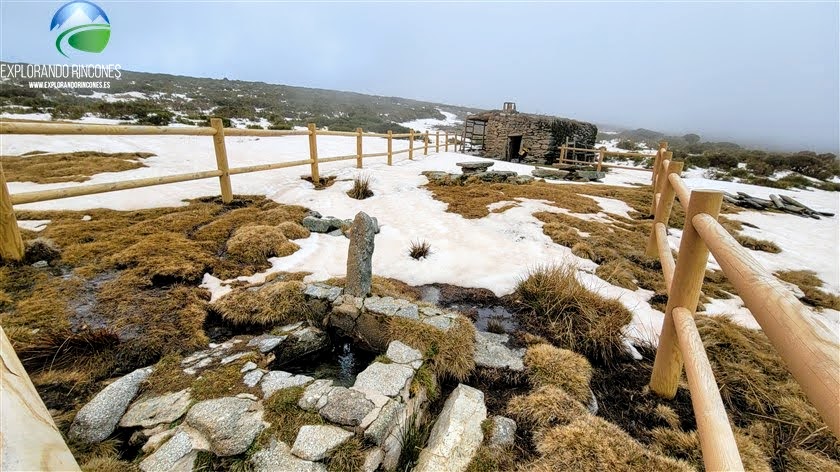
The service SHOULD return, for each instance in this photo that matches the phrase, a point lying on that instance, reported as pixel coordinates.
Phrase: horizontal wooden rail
(9, 127)
(265, 132)
(337, 133)
(77, 191)
(28, 436)
(336, 158)
(666, 258)
(401, 151)
(680, 189)
(808, 349)
(611, 166)
(717, 442)
(611, 153)
(262, 167)
(375, 154)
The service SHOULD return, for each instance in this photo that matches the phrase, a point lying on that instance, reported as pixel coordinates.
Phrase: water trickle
(341, 364)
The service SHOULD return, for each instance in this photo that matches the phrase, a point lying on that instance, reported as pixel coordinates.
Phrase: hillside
(160, 99)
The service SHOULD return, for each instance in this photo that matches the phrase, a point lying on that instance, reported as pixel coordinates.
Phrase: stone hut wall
(541, 135)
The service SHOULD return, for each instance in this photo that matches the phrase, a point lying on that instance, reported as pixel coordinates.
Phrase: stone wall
(541, 135)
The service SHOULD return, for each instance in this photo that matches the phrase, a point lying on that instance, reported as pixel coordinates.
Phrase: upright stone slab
(360, 256)
(457, 434)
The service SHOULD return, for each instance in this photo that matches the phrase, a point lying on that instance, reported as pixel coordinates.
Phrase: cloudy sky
(758, 73)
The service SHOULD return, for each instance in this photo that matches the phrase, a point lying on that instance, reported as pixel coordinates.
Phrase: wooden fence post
(666, 202)
(410, 144)
(390, 149)
(11, 244)
(600, 160)
(313, 154)
(685, 292)
(661, 155)
(437, 141)
(31, 440)
(426, 143)
(446, 141)
(221, 159)
(359, 148)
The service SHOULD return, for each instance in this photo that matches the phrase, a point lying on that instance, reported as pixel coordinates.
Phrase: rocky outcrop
(278, 380)
(491, 352)
(457, 434)
(315, 442)
(346, 407)
(98, 419)
(178, 454)
(277, 457)
(229, 424)
(502, 432)
(387, 379)
(153, 411)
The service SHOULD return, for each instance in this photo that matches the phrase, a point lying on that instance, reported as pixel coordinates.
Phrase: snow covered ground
(433, 124)
(492, 252)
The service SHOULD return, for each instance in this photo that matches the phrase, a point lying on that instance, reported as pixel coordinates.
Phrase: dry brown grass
(571, 316)
(168, 376)
(293, 230)
(361, 188)
(348, 457)
(108, 464)
(810, 284)
(255, 243)
(760, 395)
(686, 446)
(69, 167)
(449, 353)
(123, 292)
(757, 244)
(549, 365)
(419, 249)
(276, 303)
(618, 272)
(544, 407)
(590, 443)
(799, 460)
(222, 381)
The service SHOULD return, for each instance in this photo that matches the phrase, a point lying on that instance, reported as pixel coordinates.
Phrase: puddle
(478, 304)
(495, 319)
(342, 363)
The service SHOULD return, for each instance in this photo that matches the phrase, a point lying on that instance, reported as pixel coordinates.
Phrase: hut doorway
(514, 144)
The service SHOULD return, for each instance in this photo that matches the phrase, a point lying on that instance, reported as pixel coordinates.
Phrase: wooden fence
(809, 355)
(599, 163)
(11, 245)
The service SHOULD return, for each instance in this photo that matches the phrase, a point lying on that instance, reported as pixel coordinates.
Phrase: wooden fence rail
(11, 246)
(810, 354)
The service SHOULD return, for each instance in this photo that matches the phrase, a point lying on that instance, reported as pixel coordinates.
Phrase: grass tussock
(348, 457)
(448, 353)
(810, 284)
(761, 397)
(799, 460)
(69, 167)
(292, 230)
(549, 365)
(286, 418)
(256, 243)
(544, 407)
(758, 244)
(686, 446)
(280, 302)
(361, 188)
(324, 181)
(223, 381)
(489, 459)
(108, 464)
(163, 258)
(572, 317)
(168, 376)
(419, 250)
(590, 443)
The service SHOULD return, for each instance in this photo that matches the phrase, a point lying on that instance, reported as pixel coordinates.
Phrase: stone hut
(502, 134)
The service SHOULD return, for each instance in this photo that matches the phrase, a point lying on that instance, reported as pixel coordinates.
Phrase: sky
(759, 73)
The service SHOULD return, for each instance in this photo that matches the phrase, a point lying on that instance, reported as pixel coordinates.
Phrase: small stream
(342, 363)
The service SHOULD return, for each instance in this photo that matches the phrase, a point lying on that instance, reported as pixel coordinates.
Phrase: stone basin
(474, 167)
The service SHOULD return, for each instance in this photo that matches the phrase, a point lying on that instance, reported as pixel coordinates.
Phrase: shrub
(419, 249)
(255, 243)
(549, 365)
(571, 316)
(361, 188)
